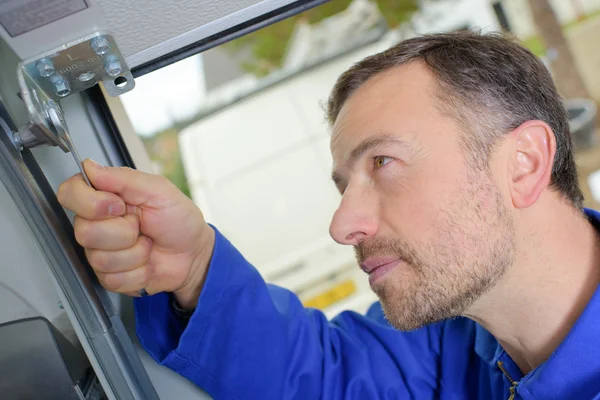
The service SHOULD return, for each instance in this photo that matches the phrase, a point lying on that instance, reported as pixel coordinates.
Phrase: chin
(409, 311)
(407, 323)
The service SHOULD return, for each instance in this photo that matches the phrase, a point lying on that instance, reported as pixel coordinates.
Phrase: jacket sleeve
(250, 340)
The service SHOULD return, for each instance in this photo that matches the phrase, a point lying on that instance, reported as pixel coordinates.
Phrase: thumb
(134, 187)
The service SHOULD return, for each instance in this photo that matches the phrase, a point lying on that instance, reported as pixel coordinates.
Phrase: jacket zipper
(514, 383)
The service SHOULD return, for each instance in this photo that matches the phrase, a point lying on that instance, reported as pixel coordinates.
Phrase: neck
(536, 303)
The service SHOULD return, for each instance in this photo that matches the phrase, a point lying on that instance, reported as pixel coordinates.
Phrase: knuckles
(83, 232)
(98, 260)
(111, 282)
(126, 281)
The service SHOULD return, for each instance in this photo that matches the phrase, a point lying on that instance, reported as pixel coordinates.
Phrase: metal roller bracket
(95, 320)
(70, 69)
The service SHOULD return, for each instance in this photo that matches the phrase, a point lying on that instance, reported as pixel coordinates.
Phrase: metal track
(95, 314)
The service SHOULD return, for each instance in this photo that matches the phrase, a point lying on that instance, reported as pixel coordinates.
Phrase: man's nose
(355, 219)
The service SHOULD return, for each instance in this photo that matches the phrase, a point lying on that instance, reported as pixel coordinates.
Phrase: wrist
(187, 295)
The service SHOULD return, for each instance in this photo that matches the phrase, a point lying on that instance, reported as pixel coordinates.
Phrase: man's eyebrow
(364, 146)
(372, 143)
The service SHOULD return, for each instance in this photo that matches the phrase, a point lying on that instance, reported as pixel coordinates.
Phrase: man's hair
(489, 84)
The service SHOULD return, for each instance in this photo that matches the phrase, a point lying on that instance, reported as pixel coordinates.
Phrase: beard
(440, 279)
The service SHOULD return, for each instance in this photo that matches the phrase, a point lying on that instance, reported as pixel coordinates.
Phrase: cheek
(410, 204)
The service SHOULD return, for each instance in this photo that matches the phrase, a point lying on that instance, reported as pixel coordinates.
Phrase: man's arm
(250, 340)
(246, 339)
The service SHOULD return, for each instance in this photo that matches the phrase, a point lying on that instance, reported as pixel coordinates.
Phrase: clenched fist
(139, 232)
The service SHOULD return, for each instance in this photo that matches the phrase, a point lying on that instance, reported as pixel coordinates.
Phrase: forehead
(398, 101)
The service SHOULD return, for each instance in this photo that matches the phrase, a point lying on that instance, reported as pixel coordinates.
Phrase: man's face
(432, 231)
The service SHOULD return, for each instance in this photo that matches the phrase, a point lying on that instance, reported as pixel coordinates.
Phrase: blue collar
(573, 368)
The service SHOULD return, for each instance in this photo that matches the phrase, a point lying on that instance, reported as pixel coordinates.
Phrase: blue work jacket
(251, 340)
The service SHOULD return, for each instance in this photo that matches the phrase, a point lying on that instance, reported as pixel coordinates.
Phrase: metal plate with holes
(80, 65)
(70, 69)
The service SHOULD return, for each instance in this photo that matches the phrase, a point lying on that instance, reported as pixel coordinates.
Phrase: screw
(113, 66)
(86, 76)
(100, 45)
(45, 67)
(16, 139)
(61, 86)
(60, 305)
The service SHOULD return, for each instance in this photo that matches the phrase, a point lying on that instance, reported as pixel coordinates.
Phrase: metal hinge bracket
(64, 71)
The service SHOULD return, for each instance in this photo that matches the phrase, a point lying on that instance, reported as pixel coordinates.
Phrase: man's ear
(531, 161)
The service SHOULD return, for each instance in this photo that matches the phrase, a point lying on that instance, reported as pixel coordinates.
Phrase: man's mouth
(377, 267)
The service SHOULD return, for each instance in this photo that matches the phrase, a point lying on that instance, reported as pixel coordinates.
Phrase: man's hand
(139, 232)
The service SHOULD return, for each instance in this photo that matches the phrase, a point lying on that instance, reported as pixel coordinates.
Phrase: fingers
(107, 262)
(109, 234)
(123, 271)
(75, 195)
(113, 188)
(134, 187)
(126, 282)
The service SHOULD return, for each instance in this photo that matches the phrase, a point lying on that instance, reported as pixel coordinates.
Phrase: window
(241, 130)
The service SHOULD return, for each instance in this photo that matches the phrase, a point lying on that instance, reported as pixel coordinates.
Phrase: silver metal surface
(39, 131)
(30, 135)
(14, 138)
(70, 69)
(45, 67)
(86, 76)
(146, 40)
(27, 136)
(62, 88)
(59, 124)
(89, 57)
(78, 392)
(100, 45)
(117, 363)
(144, 29)
(113, 66)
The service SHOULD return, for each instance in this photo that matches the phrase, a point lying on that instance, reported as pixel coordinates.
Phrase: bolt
(113, 66)
(86, 76)
(16, 139)
(45, 67)
(100, 45)
(14, 136)
(61, 86)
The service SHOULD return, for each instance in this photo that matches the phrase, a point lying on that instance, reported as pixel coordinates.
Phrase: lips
(378, 267)
(372, 263)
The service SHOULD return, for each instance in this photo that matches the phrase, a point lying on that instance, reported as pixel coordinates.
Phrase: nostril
(356, 237)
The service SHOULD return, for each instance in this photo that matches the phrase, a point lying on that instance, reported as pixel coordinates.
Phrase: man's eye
(381, 161)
